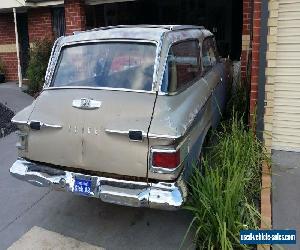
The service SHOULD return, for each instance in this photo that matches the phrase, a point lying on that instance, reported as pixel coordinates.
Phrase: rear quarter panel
(185, 116)
(190, 114)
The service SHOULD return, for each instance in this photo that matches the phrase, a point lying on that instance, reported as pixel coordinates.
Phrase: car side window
(183, 65)
(208, 54)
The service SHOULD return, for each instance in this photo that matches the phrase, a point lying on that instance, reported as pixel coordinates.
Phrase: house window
(183, 66)
(58, 20)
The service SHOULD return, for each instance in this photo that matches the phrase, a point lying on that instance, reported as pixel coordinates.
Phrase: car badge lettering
(76, 129)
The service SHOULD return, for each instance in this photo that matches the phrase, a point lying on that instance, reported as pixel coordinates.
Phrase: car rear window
(128, 65)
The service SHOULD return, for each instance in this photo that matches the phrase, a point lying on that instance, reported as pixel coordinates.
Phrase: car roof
(133, 32)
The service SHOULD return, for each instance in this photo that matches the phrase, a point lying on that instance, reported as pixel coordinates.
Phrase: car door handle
(86, 103)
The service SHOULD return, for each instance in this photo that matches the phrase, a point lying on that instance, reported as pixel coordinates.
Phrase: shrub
(2, 71)
(224, 193)
(2, 68)
(37, 66)
(239, 101)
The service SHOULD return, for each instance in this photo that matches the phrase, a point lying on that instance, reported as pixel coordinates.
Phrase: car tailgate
(84, 141)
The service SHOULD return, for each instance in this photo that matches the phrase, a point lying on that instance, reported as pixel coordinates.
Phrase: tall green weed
(225, 190)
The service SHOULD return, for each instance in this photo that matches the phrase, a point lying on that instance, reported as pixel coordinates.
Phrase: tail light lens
(166, 159)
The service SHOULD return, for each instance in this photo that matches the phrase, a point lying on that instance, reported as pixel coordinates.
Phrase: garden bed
(225, 190)
(6, 126)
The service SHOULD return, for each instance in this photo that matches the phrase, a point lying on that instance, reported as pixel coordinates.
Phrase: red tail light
(166, 159)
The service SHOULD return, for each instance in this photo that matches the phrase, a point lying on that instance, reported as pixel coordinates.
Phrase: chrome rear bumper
(161, 195)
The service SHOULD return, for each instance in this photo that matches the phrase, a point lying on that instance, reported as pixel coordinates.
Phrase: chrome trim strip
(100, 88)
(158, 136)
(53, 57)
(46, 125)
(105, 40)
(155, 86)
(17, 122)
(43, 125)
(150, 135)
(161, 195)
(167, 27)
(173, 171)
(115, 131)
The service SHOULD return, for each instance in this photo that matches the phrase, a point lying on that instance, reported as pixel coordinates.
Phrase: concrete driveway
(12, 97)
(285, 192)
(24, 208)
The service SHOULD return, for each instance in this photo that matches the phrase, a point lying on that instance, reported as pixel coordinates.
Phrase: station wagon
(123, 114)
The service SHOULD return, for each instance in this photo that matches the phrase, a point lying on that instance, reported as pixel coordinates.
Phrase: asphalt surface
(23, 207)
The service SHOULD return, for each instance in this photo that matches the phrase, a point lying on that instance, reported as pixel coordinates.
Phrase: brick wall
(7, 28)
(7, 46)
(40, 24)
(75, 16)
(245, 36)
(255, 55)
(249, 23)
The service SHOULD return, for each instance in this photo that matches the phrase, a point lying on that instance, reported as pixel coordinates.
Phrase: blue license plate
(82, 186)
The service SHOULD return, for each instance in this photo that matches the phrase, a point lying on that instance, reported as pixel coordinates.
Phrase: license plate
(82, 186)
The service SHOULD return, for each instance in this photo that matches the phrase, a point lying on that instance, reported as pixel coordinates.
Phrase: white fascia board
(44, 3)
(8, 4)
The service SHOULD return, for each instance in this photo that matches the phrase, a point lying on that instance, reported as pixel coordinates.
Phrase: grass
(225, 190)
